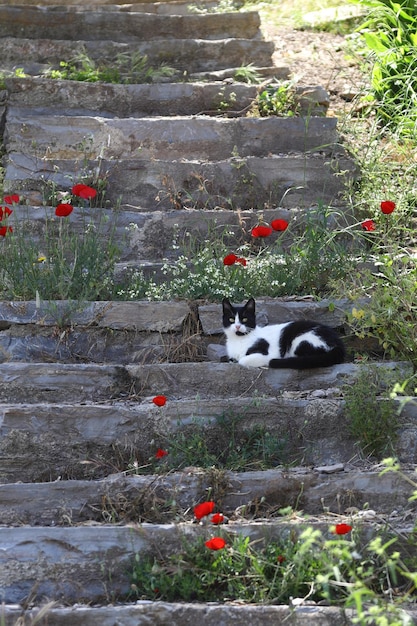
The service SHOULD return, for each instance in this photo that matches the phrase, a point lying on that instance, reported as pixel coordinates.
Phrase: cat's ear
(226, 304)
(250, 305)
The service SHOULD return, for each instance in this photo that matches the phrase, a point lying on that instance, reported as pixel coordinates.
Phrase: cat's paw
(253, 360)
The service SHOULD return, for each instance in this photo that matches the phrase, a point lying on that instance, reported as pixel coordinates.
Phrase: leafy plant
(278, 100)
(390, 35)
(247, 74)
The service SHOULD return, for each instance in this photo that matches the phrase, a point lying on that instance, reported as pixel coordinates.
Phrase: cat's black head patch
(245, 312)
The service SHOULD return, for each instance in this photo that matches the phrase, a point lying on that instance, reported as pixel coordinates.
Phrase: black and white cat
(300, 344)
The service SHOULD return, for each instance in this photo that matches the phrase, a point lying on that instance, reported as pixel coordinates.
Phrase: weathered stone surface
(36, 23)
(137, 498)
(46, 382)
(91, 3)
(206, 139)
(140, 315)
(189, 56)
(181, 380)
(148, 613)
(45, 441)
(40, 96)
(298, 180)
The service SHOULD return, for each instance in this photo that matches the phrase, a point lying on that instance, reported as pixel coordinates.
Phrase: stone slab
(287, 181)
(180, 614)
(71, 502)
(168, 316)
(202, 138)
(181, 380)
(168, 7)
(186, 56)
(39, 22)
(88, 440)
(91, 3)
(46, 382)
(42, 95)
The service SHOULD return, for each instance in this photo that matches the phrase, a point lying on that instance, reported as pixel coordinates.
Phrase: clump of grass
(226, 444)
(372, 415)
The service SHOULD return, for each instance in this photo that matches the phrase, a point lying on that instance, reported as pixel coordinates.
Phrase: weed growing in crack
(372, 415)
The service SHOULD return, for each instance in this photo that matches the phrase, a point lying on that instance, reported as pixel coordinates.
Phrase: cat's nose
(237, 326)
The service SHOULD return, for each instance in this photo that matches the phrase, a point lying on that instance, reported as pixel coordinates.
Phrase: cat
(299, 344)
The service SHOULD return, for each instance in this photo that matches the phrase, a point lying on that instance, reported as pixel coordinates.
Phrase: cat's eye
(244, 319)
(231, 319)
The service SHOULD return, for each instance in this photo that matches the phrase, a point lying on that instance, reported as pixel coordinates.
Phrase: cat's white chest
(237, 346)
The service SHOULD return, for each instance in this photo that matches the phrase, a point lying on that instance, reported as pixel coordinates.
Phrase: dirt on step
(320, 58)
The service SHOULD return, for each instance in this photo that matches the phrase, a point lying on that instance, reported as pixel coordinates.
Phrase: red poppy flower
(261, 231)
(217, 518)
(84, 191)
(5, 212)
(4, 230)
(280, 558)
(159, 400)
(203, 509)
(63, 210)
(387, 206)
(216, 543)
(230, 259)
(279, 224)
(13, 199)
(368, 225)
(242, 261)
(159, 454)
(342, 529)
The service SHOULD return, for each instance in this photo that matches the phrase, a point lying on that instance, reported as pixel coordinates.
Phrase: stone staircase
(77, 416)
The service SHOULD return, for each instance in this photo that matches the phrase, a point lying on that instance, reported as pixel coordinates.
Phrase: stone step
(91, 564)
(335, 489)
(201, 138)
(167, 7)
(145, 239)
(136, 331)
(37, 22)
(42, 96)
(243, 183)
(188, 57)
(59, 382)
(51, 441)
(96, 3)
(47, 382)
(179, 614)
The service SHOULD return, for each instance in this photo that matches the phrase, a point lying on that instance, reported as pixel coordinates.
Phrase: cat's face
(239, 320)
